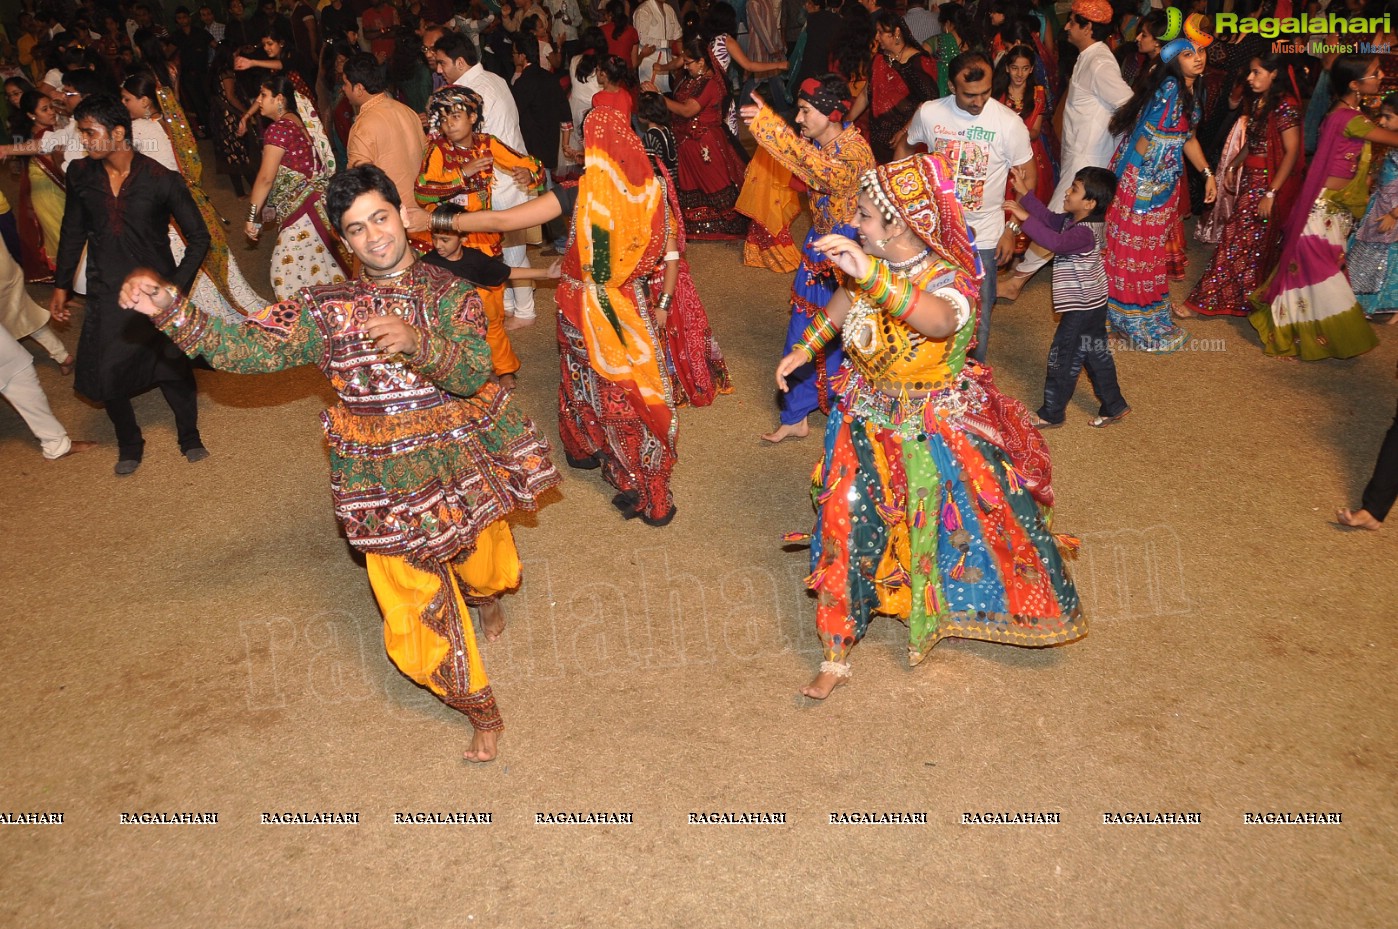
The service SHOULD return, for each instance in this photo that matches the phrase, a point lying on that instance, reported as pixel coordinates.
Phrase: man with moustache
(427, 455)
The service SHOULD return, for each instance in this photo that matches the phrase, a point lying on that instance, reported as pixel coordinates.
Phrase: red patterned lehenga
(697, 370)
(1249, 245)
(711, 171)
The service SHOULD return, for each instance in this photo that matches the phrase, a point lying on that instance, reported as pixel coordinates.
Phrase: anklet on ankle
(838, 668)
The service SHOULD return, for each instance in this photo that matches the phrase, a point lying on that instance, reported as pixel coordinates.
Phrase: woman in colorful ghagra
(933, 493)
(1264, 179)
(427, 455)
(616, 399)
(1307, 308)
(297, 164)
(1149, 165)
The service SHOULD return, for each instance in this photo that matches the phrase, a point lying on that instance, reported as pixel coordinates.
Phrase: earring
(881, 243)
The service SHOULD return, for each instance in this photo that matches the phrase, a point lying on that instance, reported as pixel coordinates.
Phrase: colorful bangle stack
(817, 335)
(894, 294)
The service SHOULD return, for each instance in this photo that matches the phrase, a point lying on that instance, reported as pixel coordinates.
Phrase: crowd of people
(406, 156)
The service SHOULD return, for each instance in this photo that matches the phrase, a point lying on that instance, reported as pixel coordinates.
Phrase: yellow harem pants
(427, 629)
(502, 354)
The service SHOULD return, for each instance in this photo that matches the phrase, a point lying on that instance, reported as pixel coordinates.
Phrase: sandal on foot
(1039, 423)
(1100, 422)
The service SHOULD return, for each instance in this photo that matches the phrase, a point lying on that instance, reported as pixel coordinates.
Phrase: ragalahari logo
(1304, 25)
(1192, 31)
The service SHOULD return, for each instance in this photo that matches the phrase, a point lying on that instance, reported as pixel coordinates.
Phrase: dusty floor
(199, 638)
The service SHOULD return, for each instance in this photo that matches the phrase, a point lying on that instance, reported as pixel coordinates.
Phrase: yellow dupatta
(619, 234)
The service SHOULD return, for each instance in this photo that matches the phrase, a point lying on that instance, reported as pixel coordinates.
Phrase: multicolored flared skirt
(1307, 307)
(1137, 258)
(921, 516)
(1247, 247)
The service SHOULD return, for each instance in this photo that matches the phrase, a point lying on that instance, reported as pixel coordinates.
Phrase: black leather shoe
(590, 463)
(197, 453)
(126, 466)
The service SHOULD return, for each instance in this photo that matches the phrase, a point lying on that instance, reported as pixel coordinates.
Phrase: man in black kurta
(120, 353)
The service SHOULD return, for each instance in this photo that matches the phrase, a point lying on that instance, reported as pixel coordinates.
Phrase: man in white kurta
(1095, 92)
(658, 27)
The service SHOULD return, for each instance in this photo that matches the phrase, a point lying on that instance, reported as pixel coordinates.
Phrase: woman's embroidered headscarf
(919, 191)
(619, 234)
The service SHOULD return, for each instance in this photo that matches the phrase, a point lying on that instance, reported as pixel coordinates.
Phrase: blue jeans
(988, 292)
(1081, 342)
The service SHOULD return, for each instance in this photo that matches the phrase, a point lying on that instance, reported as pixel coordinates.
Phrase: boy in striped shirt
(1076, 237)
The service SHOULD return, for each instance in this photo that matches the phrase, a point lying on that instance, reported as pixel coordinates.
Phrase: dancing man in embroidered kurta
(427, 455)
(932, 495)
(828, 157)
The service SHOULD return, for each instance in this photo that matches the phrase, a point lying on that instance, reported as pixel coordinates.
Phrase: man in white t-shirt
(982, 139)
(657, 26)
(459, 62)
(1095, 92)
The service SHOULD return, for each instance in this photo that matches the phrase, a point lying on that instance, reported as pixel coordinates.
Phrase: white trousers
(519, 297)
(20, 386)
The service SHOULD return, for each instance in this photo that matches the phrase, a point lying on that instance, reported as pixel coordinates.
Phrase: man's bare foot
(1357, 519)
(1182, 311)
(1010, 286)
(793, 431)
(831, 675)
(484, 746)
(507, 381)
(518, 322)
(493, 619)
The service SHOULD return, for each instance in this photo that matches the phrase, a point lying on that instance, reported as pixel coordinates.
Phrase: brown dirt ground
(201, 638)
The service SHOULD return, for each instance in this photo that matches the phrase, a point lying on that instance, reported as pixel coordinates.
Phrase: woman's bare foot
(519, 322)
(1010, 286)
(831, 675)
(507, 381)
(484, 746)
(793, 431)
(493, 619)
(1182, 311)
(1357, 519)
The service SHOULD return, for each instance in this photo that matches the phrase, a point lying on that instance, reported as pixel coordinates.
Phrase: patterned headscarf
(833, 105)
(919, 191)
(452, 99)
(619, 235)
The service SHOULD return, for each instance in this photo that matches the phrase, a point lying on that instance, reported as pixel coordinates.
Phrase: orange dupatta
(619, 234)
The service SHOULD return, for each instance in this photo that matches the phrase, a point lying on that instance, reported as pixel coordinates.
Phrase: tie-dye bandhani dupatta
(618, 238)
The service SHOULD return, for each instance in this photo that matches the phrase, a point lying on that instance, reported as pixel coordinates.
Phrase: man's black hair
(526, 45)
(364, 68)
(349, 185)
(455, 45)
(105, 110)
(973, 65)
(83, 81)
(1099, 186)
